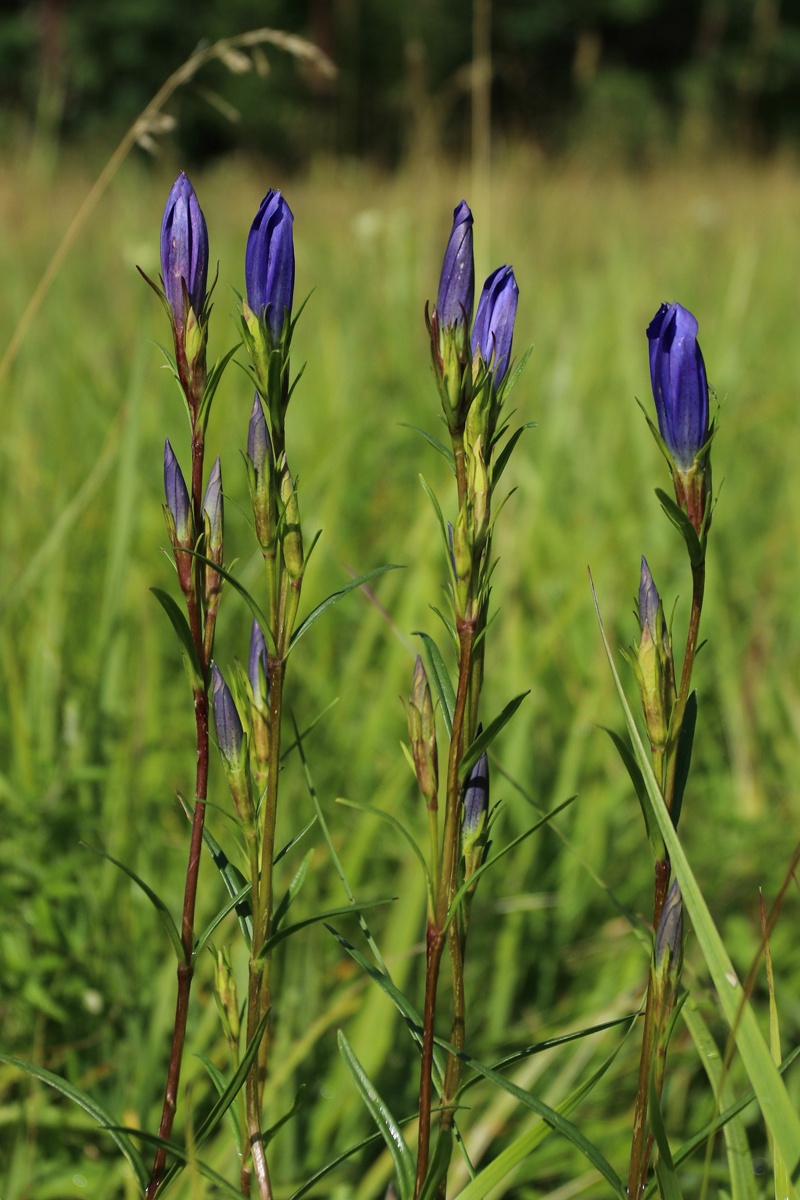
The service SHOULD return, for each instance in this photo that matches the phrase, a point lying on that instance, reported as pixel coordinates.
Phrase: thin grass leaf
(234, 882)
(490, 862)
(184, 1158)
(532, 1138)
(238, 898)
(296, 883)
(91, 1108)
(783, 1186)
(445, 451)
(211, 1122)
(319, 1175)
(553, 1118)
(740, 1166)
(297, 1104)
(312, 791)
(485, 739)
(293, 841)
(437, 508)
(439, 1164)
(501, 462)
(155, 900)
(382, 1116)
(773, 1098)
(335, 597)
(664, 1166)
(220, 1083)
(342, 911)
(179, 623)
(401, 829)
(293, 746)
(654, 838)
(439, 678)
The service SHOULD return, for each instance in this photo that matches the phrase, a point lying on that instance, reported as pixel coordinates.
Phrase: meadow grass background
(96, 727)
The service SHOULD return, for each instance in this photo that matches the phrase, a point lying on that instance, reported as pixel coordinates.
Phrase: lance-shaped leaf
(382, 1116)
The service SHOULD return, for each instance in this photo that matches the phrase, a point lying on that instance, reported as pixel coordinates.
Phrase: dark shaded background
(634, 78)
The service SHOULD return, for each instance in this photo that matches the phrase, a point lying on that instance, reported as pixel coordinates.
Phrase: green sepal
(684, 526)
(439, 677)
(181, 626)
(654, 837)
(335, 597)
(155, 900)
(485, 739)
(104, 1121)
(684, 759)
(438, 1165)
(382, 1116)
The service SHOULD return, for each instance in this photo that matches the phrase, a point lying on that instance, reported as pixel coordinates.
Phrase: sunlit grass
(95, 717)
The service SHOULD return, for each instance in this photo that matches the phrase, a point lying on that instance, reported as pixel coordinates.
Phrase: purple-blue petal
(493, 332)
(649, 599)
(269, 262)
(175, 491)
(476, 795)
(184, 249)
(457, 281)
(213, 503)
(258, 440)
(257, 661)
(680, 386)
(226, 718)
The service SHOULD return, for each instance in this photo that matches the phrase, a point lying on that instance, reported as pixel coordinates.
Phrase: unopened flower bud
(269, 264)
(652, 662)
(232, 745)
(213, 513)
(668, 951)
(478, 493)
(493, 331)
(422, 734)
(290, 532)
(184, 251)
(261, 477)
(178, 516)
(226, 995)
(474, 830)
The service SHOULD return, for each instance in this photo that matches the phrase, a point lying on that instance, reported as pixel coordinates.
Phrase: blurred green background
(614, 176)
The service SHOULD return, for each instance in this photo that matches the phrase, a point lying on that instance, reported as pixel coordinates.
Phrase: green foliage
(96, 735)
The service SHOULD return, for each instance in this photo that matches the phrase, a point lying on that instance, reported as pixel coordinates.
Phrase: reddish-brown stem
(186, 967)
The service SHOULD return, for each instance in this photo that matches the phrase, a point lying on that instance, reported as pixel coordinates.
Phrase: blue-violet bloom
(457, 281)
(269, 262)
(257, 665)
(213, 505)
(226, 718)
(649, 600)
(184, 250)
(680, 387)
(493, 331)
(176, 494)
(476, 798)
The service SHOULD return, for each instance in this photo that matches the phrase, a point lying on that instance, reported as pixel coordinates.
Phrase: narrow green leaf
(234, 902)
(294, 887)
(654, 838)
(445, 451)
(437, 508)
(92, 1108)
(220, 1083)
(181, 627)
(155, 900)
(342, 911)
(773, 1098)
(553, 1118)
(485, 739)
(243, 592)
(501, 462)
(664, 1166)
(490, 862)
(184, 1158)
(234, 882)
(211, 1122)
(335, 597)
(684, 759)
(740, 1166)
(493, 1174)
(293, 841)
(439, 678)
(297, 1104)
(513, 378)
(382, 1116)
(684, 526)
(401, 829)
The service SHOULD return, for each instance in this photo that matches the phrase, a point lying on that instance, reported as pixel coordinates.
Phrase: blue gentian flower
(269, 262)
(184, 250)
(493, 331)
(230, 733)
(680, 387)
(176, 494)
(457, 281)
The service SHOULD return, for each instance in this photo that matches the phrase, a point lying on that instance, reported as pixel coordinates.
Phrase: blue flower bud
(257, 664)
(680, 387)
(493, 331)
(649, 600)
(213, 509)
(184, 250)
(230, 733)
(258, 440)
(269, 263)
(476, 801)
(457, 281)
(177, 497)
